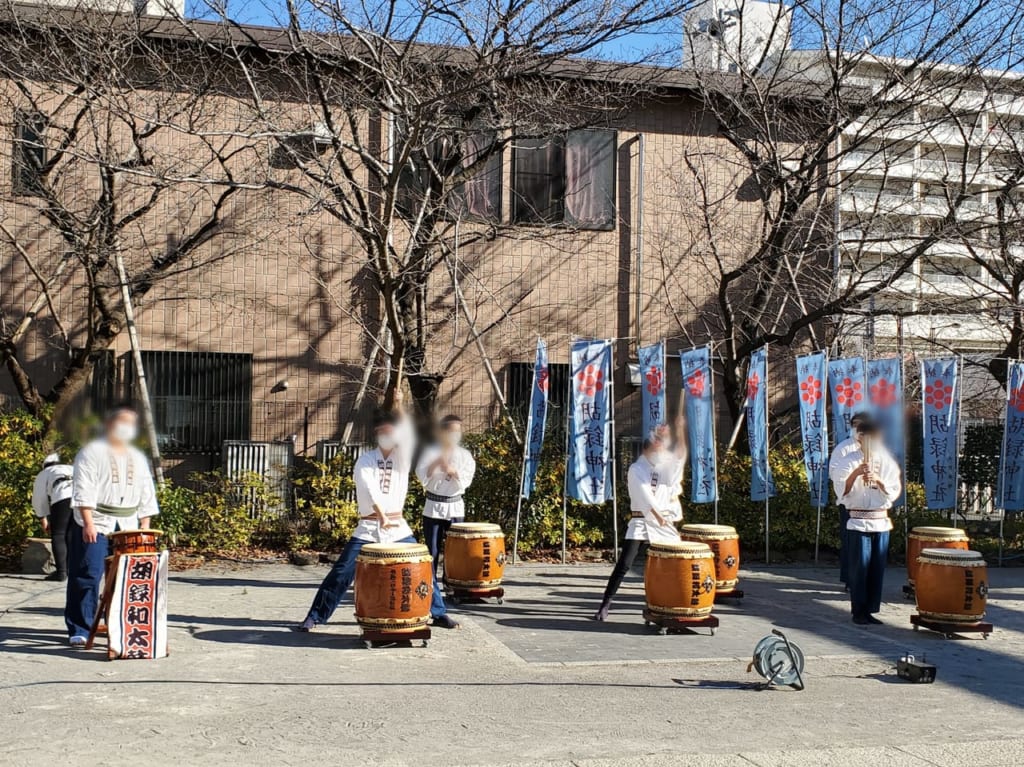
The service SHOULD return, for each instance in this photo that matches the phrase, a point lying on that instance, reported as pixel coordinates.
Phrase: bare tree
(818, 224)
(115, 158)
(398, 119)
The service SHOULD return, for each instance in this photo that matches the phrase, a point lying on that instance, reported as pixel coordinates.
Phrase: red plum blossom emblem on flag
(810, 390)
(655, 381)
(1017, 399)
(591, 380)
(848, 392)
(938, 394)
(542, 379)
(883, 393)
(753, 385)
(695, 383)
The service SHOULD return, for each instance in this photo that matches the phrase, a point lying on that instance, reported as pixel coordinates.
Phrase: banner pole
(1002, 458)
(959, 441)
(767, 463)
(612, 448)
(522, 470)
(714, 414)
(565, 481)
(817, 537)
(825, 456)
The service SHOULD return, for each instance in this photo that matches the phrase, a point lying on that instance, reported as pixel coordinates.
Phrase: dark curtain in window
(590, 179)
(539, 182)
(29, 152)
(479, 198)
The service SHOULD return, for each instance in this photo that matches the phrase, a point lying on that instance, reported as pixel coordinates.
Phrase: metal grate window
(200, 399)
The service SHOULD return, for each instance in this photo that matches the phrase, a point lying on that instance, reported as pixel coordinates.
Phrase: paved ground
(532, 681)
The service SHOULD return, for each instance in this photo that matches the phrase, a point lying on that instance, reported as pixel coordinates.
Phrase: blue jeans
(844, 546)
(867, 554)
(85, 572)
(340, 578)
(434, 532)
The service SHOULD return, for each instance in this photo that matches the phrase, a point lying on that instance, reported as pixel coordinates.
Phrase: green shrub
(22, 451)
(325, 515)
(221, 514)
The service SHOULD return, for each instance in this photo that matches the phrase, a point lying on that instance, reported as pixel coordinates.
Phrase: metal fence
(274, 461)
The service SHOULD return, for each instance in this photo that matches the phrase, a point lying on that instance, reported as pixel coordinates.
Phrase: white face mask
(385, 441)
(453, 438)
(125, 432)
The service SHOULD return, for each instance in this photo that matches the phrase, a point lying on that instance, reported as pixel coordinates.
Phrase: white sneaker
(78, 642)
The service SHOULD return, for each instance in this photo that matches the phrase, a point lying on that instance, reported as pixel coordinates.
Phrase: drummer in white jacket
(446, 471)
(652, 486)
(382, 484)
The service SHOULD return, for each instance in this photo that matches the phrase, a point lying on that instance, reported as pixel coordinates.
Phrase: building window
(200, 399)
(566, 180)
(520, 385)
(29, 156)
(478, 198)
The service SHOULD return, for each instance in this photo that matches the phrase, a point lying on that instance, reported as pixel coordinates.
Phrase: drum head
(939, 532)
(475, 527)
(680, 549)
(133, 533)
(953, 556)
(710, 529)
(394, 549)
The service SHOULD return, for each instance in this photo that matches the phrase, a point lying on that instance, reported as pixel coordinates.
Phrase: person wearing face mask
(651, 482)
(51, 501)
(446, 471)
(382, 483)
(112, 489)
(867, 480)
(674, 456)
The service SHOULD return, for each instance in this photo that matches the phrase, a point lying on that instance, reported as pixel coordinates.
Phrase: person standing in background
(446, 471)
(113, 490)
(51, 502)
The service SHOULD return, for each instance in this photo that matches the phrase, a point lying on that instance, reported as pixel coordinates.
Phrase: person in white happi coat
(675, 510)
(112, 490)
(866, 479)
(382, 483)
(51, 502)
(652, 481)
(446, 471)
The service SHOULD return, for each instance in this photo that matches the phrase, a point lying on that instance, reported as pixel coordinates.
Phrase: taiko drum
(134, 542)
(394, 585)
(679, 580)
(725, 543)
(921, 538)
(474, 555)
(952, 585)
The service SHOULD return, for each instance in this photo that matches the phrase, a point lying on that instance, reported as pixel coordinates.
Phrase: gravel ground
(532, 681)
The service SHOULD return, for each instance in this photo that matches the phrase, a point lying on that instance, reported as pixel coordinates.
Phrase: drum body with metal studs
(474, 555)
(952, 585)
(921, 538)
(134, 542)
(679, 580)
(394, 586)
(725, 543)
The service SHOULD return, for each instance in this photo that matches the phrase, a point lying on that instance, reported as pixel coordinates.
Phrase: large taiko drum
(952, 585)
(134, 542)
(394, 585)
(679, 580)
(725, 543)
(921, 538)
(474, 555)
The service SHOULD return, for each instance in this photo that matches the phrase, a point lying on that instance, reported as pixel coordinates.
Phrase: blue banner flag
(762, 483)
(1011, 465)
(536, 420)
(940, 408)
(652, 378)
(700, 417)
(885, 394)
(590, 425)
(810, 378)
(846, 381)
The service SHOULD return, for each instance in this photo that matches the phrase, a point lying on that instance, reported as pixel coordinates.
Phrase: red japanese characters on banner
(137, 623)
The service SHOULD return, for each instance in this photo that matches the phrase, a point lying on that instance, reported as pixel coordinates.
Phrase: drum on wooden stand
(679, 580)
(394, 586)
(921, 538)
(725, 543)
(952, 586)
(474, 556)
(134, 542)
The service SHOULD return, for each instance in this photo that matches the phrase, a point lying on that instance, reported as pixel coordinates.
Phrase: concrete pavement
(532, 681)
